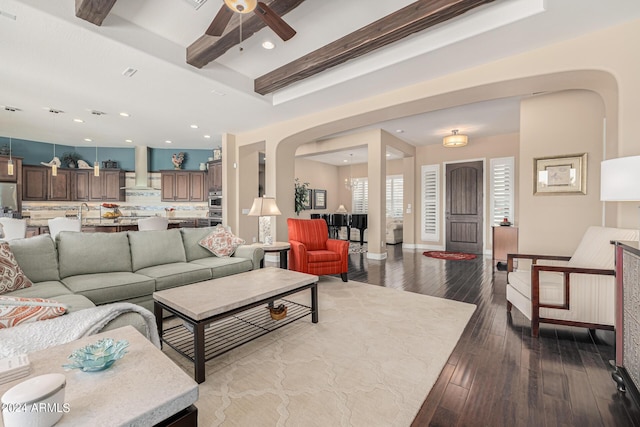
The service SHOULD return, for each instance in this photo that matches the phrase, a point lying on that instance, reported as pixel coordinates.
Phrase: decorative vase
(178, 167)
(72, 165)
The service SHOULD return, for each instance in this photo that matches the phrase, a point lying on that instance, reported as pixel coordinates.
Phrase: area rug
(451, 256)
(370, 361)
(357, 248)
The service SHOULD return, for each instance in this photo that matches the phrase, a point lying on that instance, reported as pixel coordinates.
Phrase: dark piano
(337, 221)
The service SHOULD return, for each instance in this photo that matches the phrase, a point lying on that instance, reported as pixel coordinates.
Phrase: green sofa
(83, 270)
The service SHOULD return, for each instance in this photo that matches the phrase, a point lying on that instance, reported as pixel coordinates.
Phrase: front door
(464, 207)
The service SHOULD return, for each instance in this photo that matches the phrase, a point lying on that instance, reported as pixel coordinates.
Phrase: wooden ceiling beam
(94, 11)
(415, 17)
(207, 48)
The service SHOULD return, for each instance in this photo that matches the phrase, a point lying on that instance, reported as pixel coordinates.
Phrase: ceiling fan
(264, 12)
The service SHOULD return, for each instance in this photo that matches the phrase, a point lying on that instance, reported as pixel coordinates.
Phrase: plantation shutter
(394, 196)
(360, 196)
(430, 221)
(502, 188)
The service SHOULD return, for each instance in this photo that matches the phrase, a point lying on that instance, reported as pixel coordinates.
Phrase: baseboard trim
(381, 256)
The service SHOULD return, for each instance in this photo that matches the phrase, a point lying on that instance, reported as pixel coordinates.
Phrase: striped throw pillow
(17, 310)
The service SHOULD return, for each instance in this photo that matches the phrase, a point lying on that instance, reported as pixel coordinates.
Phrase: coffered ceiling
(136, 63)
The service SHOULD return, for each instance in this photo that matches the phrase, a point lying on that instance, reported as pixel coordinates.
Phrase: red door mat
(452, 256)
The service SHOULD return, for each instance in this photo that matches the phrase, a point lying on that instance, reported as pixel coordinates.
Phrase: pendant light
(54, 167)
(96, 165)
(10, 162)
(10, 170)
(349, 182)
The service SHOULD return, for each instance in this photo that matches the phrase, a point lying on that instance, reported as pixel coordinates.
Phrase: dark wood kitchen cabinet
(4, 169)
(108, 187)
(40, 185)
(214, 176)
(182, 186)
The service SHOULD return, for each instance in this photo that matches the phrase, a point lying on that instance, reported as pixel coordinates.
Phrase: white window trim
(432, 199)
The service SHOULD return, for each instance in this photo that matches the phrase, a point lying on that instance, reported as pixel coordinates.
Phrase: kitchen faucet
(80, 211)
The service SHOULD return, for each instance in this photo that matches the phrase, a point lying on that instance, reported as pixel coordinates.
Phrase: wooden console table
(505, 241)
(627, 374)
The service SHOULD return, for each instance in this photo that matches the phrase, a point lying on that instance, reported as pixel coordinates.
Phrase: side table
(281, 247)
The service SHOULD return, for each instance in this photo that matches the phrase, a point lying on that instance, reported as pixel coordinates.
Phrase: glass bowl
(98, 356)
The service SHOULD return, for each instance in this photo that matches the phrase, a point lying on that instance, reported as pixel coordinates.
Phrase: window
(360, 196)
(394, 196)
(430, 221)
(502, 188)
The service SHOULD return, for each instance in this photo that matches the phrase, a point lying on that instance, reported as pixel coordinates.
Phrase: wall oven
(215, 200)
(215, 208)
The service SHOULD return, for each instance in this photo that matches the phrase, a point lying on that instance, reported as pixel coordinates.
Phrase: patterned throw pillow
(12, 276)
(16, 310)
(221, 242)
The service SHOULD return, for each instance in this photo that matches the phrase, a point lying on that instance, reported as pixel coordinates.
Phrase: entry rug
(451, 256)
(370, 361)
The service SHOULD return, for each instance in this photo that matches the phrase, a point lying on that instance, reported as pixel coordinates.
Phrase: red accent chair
(313, 252)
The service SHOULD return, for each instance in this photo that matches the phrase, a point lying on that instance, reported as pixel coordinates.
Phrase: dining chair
(13, 228)
(56, 225)
(153, 223)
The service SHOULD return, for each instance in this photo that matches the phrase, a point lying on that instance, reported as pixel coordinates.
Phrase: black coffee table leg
(314, 303)
(157, 311)
(198, 346)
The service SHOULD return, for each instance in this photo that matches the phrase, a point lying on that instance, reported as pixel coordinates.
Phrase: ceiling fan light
(455, 139)
(241, 6)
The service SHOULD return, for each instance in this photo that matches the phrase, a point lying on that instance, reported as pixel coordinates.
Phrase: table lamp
(264, 207)
(620, 179)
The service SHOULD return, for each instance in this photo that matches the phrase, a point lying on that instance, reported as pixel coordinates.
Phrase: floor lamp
(619, 179)
(265, 208)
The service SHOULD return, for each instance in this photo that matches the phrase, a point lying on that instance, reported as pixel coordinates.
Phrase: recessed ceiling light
(129, 72)
(12, 109)
(55, 111)
(78, 120)
(346, 161)
(217, 92)
(388, 154)
(168, 141)
(123, 114)
(399, 131)
(97, 113)
(267, 44)
(128, 140)
(88, 139)
(207, 136)
(194, 126)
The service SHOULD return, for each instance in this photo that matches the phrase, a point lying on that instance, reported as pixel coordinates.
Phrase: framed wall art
(319, 199)
(307, 204)
(560, 174)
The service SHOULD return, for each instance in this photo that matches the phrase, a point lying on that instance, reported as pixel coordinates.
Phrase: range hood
(141, 169)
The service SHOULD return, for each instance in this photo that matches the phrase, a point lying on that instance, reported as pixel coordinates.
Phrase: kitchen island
(102, 225)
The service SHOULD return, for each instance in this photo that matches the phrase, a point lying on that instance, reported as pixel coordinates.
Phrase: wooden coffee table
(233, 309)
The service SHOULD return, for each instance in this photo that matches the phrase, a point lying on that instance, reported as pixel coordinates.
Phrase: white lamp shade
(620, 179)
(264, 206)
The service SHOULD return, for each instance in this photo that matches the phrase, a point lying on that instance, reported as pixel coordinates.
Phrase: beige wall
(321, 176)
(557, 124)
(477, 149)
(599, 61)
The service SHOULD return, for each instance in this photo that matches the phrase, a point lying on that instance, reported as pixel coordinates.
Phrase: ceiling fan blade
(220, 22)
(277, 24)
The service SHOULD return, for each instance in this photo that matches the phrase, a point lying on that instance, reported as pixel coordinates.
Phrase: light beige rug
(370, 361)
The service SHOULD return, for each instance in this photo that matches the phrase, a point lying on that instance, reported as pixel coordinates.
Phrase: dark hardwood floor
(498, 375)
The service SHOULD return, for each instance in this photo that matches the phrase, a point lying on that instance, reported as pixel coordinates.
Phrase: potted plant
(301, 195)
(70, 159)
